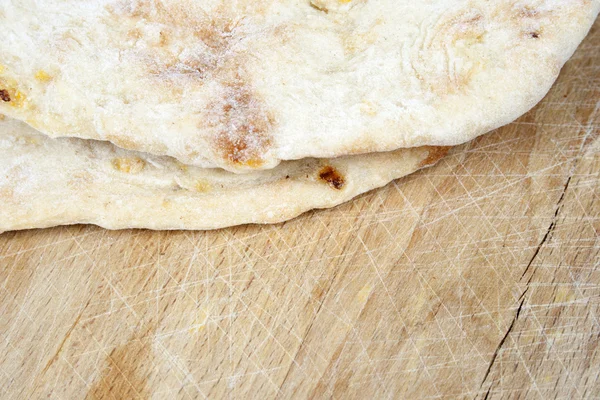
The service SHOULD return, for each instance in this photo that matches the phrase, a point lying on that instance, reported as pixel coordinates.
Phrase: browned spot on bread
(43, 76)
(318, 6)
(527, 12)
(534, 35)
(466, 25)
(436, 153)
(10, 92)
(216, 51)
(129, 165)
(206, 35)
(218, 37)
(217, 34)
(134, 33)
(332, 177)
(213, 35)
(203, 186)
(183, 13)
(215, 38)
(526, 19)
(331, 5)
(123, 142)
(4, 95)
(242, 123)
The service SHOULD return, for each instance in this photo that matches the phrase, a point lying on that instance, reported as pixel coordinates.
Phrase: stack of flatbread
(201, 114)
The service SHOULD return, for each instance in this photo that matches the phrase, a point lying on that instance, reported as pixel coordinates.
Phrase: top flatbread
(242, 85)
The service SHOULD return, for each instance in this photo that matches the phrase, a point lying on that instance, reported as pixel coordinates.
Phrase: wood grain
(477, 278)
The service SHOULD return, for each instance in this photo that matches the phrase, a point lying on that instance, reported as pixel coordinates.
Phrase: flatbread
(242, 85)
(46, 182)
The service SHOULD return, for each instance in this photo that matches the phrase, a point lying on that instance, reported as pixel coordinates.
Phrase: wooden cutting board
(477, 278)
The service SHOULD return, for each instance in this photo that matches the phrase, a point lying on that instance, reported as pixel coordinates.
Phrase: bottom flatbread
(47, 182)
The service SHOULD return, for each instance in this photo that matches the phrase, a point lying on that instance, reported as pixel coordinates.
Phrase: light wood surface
(477, 278)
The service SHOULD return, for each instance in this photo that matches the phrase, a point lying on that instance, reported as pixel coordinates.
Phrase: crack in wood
(548, 231)
(512, 324)
(488, 392)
